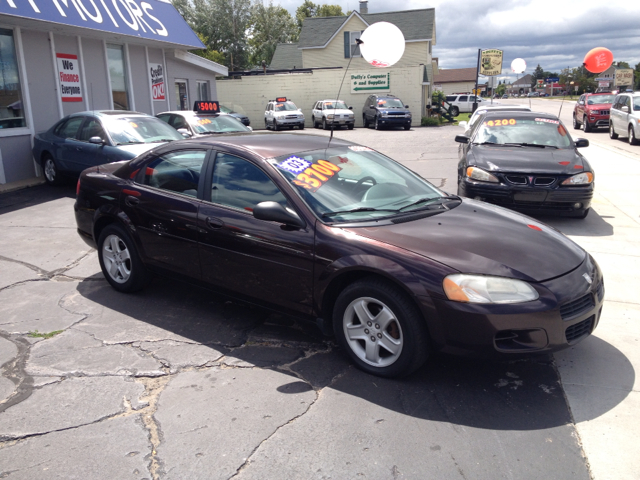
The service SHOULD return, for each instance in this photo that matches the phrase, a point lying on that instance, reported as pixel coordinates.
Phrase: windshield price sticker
(294, 164)
(204, 121)
(316, 175)
(359, 148)
(501, 123)
(547, 120)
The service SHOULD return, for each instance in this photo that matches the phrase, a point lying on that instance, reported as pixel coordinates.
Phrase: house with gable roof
(314, 68)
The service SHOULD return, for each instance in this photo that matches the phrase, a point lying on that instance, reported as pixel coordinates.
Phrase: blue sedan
(86, 139)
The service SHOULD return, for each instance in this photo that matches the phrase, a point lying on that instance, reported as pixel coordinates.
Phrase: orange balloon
(598, 60)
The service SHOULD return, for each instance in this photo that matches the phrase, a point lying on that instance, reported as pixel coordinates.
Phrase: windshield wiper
(129, 143)
(439, 200)
(492, 143)
(537, 145)
(356, 210)
(163, 140)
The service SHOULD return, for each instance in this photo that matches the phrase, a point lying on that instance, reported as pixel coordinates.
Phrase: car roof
(187, 113)
(523, 113)
(505, 107)
(269, 144)
(111, 113)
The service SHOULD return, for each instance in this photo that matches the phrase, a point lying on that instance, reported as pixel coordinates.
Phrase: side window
(616, 103)
(240, 184)
(164, 117)
(178, 122)
(70, 128)
(463, 98)
(92, 128)
(176, 171)
(450, 98)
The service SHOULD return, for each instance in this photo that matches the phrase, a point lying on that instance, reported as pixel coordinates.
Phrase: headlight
(583, 178)
(478, 174)
(330, 117)
(351, 115)
(480, 289)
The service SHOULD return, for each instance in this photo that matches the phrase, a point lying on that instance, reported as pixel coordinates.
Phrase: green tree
(270, 25)
(636, 74)
(502, 88)
(209, 53)
(309, 9)
(538, 73)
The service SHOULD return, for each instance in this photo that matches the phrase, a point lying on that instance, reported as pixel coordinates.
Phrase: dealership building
(59, 57)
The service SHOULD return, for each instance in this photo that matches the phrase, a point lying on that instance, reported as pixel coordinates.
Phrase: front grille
(516, 179)
(580, 329)
(289, 117)
(544, 181)
(395, 114)
(577, 307)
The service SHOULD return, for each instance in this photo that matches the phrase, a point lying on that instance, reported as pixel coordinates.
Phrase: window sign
(69, 75)
(155, 20)
(157, 81)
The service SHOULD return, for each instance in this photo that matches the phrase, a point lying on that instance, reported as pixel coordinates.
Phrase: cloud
(555, 35)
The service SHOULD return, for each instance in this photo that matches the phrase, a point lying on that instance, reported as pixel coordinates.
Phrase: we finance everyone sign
(69, 75)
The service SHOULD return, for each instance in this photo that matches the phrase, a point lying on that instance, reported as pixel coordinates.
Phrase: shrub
(430, 121)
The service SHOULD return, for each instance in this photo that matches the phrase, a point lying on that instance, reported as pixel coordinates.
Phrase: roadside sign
(552, 79)
(624, 76)
(491, 62)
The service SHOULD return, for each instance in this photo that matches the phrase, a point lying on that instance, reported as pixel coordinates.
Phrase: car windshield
(597, 99)
(285, 106)
(224, 109)
(355, 183)
(511, 130)
(204, 124)
(132, 130)
(390, 103)
(339, 105)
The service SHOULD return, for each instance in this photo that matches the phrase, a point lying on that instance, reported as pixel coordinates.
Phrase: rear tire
(380, 328)
(632, 136)
(266, 124)
(612, 133)
(455, 111)
(51, 173)
(576, 125)
(119, 260)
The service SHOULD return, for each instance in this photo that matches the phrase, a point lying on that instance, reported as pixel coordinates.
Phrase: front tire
(119, 260)
(325, 126)
(350, 126)
(612, 133)
(632, 136)
(380, 328)
(51, 173)
(585, 124)
(275, 126)
(376, 124)
(365, 121)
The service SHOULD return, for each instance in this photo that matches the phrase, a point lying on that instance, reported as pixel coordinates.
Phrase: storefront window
(203, 91)
(118, 74)
(11, 108)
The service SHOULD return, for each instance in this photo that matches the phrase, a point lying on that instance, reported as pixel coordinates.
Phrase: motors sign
(155, 20)
(491, 62)
(157, 81)
(69, 77)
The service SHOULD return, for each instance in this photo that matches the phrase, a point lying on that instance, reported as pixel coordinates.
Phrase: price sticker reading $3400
(310, 176)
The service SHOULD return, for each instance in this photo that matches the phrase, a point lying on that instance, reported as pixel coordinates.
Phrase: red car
(592, 111)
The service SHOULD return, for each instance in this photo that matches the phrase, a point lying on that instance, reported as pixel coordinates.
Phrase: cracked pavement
(176, 382)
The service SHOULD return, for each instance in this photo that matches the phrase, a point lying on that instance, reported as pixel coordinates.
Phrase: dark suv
(385, 111)
(592, 111)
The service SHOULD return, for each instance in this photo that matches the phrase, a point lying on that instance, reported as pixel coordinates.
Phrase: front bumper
(289, 122)
(555, 199)
(568, 310)
(394, 121)
(597, 121)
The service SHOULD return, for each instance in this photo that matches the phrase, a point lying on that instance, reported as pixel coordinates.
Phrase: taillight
(78, 188)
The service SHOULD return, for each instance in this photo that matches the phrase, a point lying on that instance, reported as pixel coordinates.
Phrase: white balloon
(518, 65)
(382, 44)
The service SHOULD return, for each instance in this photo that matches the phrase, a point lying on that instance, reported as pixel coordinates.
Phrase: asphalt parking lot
(177, 383)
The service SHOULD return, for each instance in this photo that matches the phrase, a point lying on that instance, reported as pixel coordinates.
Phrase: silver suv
(332, 112)
(625, 117)
(281, 113)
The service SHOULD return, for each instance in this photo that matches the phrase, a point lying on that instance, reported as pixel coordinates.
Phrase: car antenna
(358, 42)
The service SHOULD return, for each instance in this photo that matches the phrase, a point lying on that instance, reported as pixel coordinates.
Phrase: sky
(554, 34)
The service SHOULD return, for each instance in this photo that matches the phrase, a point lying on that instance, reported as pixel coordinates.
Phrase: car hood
(598, 106)
(526, 159)
(338, 111)
(394, 110)
(137, 149)
(484, 239)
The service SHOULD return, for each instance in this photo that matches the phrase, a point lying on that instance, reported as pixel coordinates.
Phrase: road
(178, 383)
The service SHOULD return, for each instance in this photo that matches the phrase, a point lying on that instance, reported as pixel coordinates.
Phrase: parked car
(533, 94)
(625, 117)
(385, 111)
(526, 161)
(344, 237)
(240, 116)
(505, 96)
(332, 113)
(463, 103)
(85, 139)
(592, 111)
(197, 124)
(280, 113)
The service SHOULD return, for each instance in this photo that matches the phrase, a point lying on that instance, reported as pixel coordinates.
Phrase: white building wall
(253, 92)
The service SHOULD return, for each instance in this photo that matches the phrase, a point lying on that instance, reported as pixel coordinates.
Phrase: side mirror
(97, 140)
(581, 142)
(581, 102)
(274, 212)
(463, 124)
(185, 133)
(350, 108)
(406, 106)
(250, 128)
(625, 109)
(463, 139)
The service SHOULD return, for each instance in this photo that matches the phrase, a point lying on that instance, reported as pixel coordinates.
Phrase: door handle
(131, 201)
(213, 222)
(159, 227)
